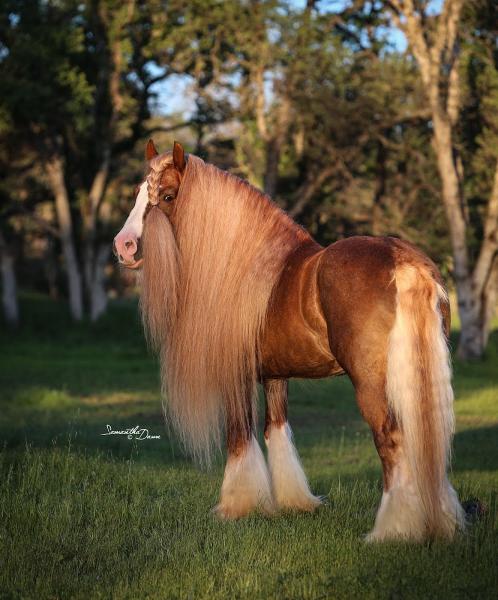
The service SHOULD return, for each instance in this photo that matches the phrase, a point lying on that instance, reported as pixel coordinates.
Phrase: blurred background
(357, 117)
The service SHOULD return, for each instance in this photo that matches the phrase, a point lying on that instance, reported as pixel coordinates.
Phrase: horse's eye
(168, 198)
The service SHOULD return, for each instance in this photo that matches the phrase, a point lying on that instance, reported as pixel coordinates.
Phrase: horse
(235, 293)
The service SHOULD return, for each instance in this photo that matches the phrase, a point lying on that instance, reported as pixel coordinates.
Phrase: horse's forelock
(157, 166)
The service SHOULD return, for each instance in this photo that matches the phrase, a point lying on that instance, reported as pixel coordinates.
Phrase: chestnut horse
(234, 292)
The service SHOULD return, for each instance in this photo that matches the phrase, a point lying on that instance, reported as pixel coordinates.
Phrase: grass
(89, 516)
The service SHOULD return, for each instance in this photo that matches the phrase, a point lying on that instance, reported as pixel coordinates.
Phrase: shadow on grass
(332, 428)
(476, 449)
(87, 436)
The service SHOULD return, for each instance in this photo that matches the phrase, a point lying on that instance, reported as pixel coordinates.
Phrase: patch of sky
(174, 96)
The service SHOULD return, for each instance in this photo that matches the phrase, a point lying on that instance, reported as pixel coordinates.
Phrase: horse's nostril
(129, 244)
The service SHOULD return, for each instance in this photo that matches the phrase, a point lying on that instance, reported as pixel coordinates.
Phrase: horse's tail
(421, 397)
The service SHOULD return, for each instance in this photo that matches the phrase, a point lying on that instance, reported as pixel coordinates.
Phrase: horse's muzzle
(126, 247)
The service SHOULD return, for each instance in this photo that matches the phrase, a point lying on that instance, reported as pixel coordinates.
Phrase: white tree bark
(55, 172)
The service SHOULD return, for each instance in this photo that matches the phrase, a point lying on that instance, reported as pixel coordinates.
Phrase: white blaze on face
(135, 221)
(126, 242)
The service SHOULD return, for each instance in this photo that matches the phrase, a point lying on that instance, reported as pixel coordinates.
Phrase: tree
(436, 43)
(77, 85)
(43, 91)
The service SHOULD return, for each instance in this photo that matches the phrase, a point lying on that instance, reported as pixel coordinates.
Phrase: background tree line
(318, 103)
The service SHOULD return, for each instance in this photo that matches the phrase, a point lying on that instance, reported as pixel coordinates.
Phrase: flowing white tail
(419, 391)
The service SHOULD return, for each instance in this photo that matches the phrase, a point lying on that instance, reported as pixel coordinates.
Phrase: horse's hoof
(232, 513)
(474, 510)
(309, 504)
(225, 513)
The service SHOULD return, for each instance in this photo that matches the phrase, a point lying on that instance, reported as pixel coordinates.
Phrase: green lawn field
(84, 515)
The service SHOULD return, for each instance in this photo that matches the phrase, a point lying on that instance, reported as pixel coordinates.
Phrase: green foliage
(354, 106)
(82, 514)
(42, 87)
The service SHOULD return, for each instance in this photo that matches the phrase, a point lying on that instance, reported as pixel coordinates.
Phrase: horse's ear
(179, 157)
(150, 150)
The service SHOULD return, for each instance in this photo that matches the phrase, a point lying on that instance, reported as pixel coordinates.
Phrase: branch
(394, 6)
(260, 103)
(453, 99)
(168, 128)
(43, 223)
(99, 184)
(306, 191)
(153, 80)
(169, 70)
(441, 37)
(413, 29)
(456, 7)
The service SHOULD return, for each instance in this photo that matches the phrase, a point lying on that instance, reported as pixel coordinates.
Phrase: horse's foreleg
(246, 484)
(289, 483)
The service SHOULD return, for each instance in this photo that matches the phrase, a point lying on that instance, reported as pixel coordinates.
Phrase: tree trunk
(475, 333)
(469, 302)
(90, 220)
(50, 269)
(471, 343)
(55, 172)
(9, 285)
(98, 298)
(475, 288)
(490, 302)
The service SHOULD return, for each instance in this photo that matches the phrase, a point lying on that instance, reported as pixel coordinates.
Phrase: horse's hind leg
(399, 514)
(289, 483)
(246, 483)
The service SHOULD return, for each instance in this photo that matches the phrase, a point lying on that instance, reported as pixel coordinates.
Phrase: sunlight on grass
(42, 398)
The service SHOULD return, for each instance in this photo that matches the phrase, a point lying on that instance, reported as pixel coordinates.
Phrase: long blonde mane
(207, 281)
